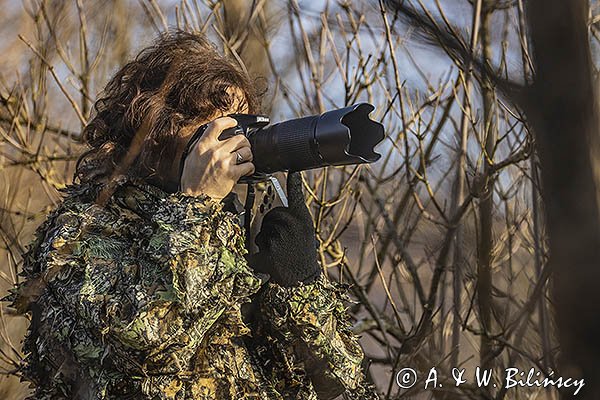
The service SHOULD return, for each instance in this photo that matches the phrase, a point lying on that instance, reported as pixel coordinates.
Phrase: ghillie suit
(150, 297)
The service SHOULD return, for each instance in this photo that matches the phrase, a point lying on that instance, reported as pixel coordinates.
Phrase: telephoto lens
(338, 137)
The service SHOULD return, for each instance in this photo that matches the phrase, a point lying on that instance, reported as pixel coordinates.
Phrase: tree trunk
(561, 110)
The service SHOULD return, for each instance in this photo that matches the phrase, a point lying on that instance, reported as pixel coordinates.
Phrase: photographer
(137, 284)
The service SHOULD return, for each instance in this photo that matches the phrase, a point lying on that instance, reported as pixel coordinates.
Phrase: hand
(212, 167)
(287, 243)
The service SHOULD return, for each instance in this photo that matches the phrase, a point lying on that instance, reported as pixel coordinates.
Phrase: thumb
(294, 191)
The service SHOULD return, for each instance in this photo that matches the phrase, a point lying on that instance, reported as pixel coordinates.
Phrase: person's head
(152, 104)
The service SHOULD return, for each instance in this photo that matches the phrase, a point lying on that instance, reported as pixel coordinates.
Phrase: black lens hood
(348, 135)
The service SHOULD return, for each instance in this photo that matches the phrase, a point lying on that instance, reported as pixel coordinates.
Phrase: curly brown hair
(179, 80)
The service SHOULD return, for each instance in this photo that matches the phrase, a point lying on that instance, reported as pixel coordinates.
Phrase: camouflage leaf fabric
(149, 296)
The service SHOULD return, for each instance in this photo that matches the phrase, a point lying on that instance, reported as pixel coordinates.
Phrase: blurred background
(443, 241)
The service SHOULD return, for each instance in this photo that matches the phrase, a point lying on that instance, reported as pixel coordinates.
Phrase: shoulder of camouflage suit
(122, 304)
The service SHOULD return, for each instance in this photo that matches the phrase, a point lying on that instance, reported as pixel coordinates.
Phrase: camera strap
(248, 204)
(255, 210)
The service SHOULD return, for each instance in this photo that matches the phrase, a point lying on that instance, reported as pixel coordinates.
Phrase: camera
(337, 137)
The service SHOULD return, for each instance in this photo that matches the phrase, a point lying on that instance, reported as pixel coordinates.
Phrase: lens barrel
(338, 137)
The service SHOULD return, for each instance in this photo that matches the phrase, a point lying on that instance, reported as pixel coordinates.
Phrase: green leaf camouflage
(149, 296)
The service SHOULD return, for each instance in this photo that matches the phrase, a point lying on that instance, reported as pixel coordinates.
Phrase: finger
(216, 127)
(294, 191)
(240, 170)
(234, 143)
(241, 156)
